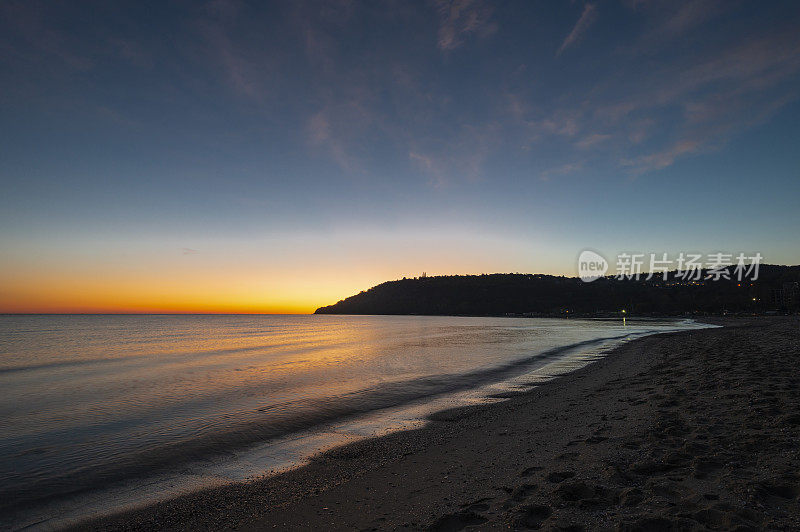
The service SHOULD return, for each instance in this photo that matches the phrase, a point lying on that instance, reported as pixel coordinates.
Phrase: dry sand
(690, 430)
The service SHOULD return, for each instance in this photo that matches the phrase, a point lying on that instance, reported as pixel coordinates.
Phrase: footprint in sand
(456, 521)
(528, 471)
(560, 476)
(534, 516)
(776, 489)
(481, 505)
(520, 494)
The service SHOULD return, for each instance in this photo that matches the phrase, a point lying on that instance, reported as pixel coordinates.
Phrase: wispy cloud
(333, 137)
(319, 128)
(585, 21)
(688, 104)
(246, 72)
(459, 19)
(641, 118)
(669, 85)
(670, 19)
(592, 140)
(691, 14)
(31, 22)
(456, 158)
(662, 158)
(564, 169)
(431, 167)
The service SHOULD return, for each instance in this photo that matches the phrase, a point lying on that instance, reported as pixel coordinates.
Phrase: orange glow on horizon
(167, 292)
(54, 297)
(206, 309)
(99, 304)
(237, 277)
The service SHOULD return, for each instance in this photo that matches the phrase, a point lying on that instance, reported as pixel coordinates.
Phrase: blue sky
(381, 139)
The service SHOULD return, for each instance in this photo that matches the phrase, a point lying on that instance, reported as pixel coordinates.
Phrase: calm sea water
(89, 402)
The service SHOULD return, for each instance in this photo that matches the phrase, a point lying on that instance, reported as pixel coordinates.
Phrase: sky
(275, 157)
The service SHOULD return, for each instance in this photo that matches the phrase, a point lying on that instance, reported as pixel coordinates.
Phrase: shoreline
(493, 465)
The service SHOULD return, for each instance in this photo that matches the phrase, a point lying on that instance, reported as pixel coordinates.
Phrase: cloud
(563, 169)
(661, 159)
(538, 125)
(650, 104)
(431, 167)
(32, 23)
(691, 14)
(459, 19)
(584, 22)
(708, 127)
(132, 51)
(319, 128)
(591, 140)
(457, 157)
(647, 119)
(341, 126)
(670, 19)
(244, 74)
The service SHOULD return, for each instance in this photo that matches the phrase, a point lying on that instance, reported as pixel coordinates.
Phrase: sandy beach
(689, 430)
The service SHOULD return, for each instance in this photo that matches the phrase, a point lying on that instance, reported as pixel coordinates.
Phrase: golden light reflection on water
(108, 395)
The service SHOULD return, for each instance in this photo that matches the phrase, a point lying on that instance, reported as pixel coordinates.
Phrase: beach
(695, 429)
(443, 265)
(133, 410)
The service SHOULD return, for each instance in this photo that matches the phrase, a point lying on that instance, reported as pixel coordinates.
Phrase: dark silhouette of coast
(776, 291)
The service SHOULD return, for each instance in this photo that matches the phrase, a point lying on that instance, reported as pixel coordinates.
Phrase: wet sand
(690, 430)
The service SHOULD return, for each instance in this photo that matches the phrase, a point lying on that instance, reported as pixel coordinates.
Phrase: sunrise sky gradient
(276, 157)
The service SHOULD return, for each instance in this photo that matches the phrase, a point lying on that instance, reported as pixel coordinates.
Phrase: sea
(102, 413)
